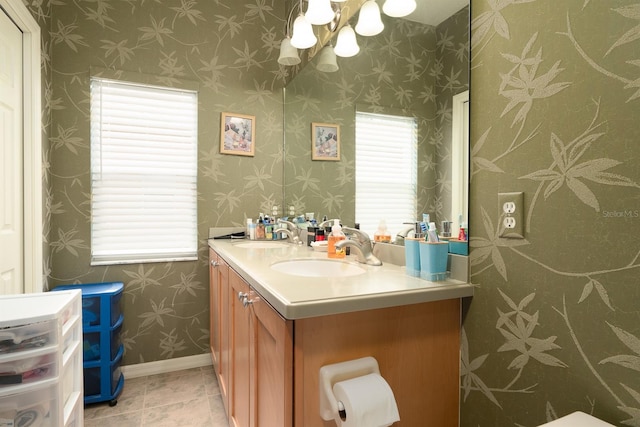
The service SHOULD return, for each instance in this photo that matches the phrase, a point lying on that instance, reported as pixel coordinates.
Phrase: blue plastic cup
(412, 256)
(433, 259)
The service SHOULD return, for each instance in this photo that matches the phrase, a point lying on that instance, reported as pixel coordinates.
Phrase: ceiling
(433, 12)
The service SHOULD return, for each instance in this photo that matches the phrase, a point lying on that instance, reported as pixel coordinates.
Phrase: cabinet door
(224, 360)
(240, 379)
(272, 366)
(214, 309)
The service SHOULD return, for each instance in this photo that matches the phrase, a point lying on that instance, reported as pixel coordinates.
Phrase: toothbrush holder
(412, 255)
(433, 260)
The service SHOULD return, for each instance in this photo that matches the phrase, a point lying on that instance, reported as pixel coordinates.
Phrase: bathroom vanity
(273, 328)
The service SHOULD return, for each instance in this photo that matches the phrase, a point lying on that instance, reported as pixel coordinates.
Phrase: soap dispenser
(382, 235)
(335, 236)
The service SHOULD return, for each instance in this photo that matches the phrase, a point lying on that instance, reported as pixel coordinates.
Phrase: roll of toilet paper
(368, 402)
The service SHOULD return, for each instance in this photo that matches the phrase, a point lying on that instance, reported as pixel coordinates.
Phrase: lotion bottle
(382, 235)
(336, 236)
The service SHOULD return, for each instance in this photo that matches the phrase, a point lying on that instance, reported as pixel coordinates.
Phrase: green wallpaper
(553, 326)
(229, 50)
(554, 323)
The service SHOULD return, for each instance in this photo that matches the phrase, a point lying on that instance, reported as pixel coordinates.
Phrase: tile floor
(189, 398)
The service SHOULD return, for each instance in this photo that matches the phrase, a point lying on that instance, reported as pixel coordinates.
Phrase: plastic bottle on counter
(260, 232)
(335, 236)
(382, 234)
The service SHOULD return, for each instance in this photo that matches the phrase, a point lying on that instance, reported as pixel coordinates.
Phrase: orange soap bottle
(335, 236)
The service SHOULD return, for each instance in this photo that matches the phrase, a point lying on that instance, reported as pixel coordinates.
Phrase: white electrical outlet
(509, 207)
(509, 222)
(511, 215)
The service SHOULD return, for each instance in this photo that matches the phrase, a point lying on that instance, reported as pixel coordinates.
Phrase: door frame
(32, 147)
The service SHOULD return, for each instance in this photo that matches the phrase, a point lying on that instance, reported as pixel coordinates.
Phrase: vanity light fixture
(319, 12)
(327, 62)
(369, 21)
(303, 36)
(288, 53)
(398, 8)
(347, 45)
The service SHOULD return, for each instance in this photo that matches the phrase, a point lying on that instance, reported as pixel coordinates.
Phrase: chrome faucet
(323, 224)
(362, 245)
(290, 230)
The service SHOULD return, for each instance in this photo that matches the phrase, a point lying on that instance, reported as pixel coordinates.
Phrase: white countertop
(296, 297)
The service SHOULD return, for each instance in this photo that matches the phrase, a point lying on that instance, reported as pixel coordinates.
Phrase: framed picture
(237, 134)
(325, 141)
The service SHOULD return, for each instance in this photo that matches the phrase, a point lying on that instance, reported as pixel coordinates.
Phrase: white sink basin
(318, 268)
(261, 244)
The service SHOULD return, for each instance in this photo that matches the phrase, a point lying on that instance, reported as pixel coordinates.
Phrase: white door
(11, 159)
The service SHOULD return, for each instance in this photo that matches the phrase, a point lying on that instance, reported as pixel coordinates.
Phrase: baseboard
(164, 366)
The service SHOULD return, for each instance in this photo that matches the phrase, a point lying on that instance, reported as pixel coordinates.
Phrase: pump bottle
(336, 236)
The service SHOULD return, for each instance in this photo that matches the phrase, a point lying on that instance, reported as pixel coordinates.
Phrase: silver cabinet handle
(214, 263)
(242, 296)
(246, 301)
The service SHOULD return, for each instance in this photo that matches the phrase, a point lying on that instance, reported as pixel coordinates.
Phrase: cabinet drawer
(93, 378)
(35, 407)
(91, 343)
(27, 337)
(38, 367)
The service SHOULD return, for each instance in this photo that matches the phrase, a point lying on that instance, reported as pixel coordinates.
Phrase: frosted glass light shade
(369, 22)
(398, 8)
(319, 12)
(303, 36)
(347, 45)
(327, 60)
(288, 53)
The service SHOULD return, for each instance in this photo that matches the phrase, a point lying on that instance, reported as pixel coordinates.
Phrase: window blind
(386, 171)
(143, 173)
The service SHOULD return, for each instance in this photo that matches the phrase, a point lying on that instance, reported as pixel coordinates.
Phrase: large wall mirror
(411, 69)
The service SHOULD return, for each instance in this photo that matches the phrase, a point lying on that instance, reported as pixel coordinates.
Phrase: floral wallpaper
(229, 50)
(408, 69)
(553, 326)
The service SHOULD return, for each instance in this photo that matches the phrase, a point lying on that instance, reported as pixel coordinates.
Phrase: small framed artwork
(325, 141)
(237, 134)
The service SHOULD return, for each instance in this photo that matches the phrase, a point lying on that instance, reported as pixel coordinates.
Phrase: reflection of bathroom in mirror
(411, 69)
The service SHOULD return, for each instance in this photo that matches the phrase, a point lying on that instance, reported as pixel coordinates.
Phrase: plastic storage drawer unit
(41, 359)
(102, 347)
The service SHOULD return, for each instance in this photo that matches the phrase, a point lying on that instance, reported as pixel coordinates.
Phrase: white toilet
(577, 419)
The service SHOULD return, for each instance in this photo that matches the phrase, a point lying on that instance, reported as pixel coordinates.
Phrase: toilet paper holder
(331, 374)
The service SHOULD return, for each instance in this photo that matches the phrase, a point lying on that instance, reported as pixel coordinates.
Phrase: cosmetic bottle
(250, 226)
(382, 235)
(260, 232)
(462, 235)
(336, 236)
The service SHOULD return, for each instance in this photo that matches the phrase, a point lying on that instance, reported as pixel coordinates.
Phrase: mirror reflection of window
(390, 144)
(460, 159)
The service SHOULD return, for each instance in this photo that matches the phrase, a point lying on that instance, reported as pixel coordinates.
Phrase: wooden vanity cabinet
(274, 362)
(258, 383)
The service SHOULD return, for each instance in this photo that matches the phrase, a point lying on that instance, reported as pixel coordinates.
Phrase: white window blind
(386, 171)
(143, 173)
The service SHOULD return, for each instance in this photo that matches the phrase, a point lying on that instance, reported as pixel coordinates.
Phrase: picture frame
(237, 134)
(325, 141)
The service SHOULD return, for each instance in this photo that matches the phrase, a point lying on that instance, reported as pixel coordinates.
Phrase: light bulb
(327, 60)
(347, 45)
(398, 8)
(369, 22)
(303, 36)
(288, 53)
(319, 12)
